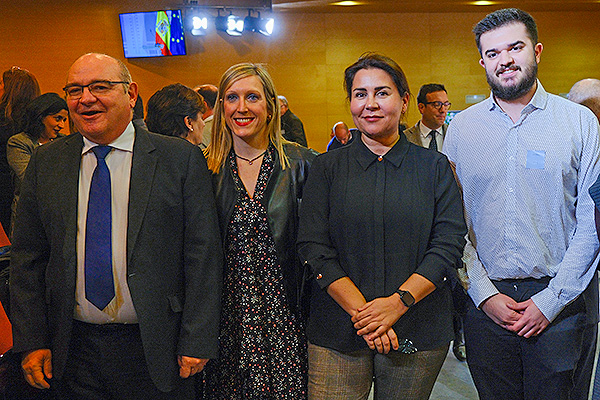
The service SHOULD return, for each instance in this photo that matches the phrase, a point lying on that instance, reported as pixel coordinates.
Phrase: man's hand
(37, 365)
(189, 366)
(377, 316)
(532, 321)
(501, 309)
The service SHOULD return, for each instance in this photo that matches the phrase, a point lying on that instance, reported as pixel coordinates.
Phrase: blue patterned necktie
(433, 142)
(99, 281)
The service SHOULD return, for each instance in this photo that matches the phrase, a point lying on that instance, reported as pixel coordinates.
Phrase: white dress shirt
(426, 138)
(120, 309)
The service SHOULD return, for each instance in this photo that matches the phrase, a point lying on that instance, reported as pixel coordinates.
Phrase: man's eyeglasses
(96, 88)
(439, 104)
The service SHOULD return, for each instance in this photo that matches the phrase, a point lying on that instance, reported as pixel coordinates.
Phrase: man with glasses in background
(116, 265)
(433, 105)
(429, 132)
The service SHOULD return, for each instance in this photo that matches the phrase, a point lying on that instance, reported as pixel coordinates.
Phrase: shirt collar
(366, 157)
(538, 101)
(124, 142)
(425, 131)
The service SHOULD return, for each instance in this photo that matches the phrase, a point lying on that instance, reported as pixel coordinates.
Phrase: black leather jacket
(282, 200)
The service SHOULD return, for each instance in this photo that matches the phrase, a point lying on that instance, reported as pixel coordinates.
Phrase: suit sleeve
(29, 257)
(203, 263)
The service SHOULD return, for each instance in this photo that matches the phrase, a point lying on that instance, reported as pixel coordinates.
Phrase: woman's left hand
(377, 316)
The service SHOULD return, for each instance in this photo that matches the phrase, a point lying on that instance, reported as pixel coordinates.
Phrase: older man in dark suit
(116, 268)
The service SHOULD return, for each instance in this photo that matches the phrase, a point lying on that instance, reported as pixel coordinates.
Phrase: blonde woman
(258, 181)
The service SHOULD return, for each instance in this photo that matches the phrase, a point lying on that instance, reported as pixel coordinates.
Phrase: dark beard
(509, 93)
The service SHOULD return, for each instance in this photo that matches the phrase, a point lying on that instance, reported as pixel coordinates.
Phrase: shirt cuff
(481, 290)
(548, 304)
(327, 273)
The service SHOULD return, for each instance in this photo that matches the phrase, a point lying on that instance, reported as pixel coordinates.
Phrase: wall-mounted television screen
(152, 34)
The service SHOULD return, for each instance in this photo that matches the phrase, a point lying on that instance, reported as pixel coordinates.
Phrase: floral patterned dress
(262, 344)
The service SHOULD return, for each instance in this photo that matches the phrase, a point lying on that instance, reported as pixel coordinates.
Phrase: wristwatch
(407, 299)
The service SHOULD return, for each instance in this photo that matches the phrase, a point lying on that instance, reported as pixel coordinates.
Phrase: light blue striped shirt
(521, 184)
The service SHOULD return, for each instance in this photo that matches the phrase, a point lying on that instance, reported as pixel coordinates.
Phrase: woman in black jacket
(380, 223)
(258, 182)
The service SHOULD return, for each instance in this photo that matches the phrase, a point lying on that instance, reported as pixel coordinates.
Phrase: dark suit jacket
(336, 144)
(174, 260)
(293, 129)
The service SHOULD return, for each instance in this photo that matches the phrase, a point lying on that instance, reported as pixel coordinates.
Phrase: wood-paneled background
(306, 56)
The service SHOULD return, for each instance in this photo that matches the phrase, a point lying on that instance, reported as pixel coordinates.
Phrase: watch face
(406, 298)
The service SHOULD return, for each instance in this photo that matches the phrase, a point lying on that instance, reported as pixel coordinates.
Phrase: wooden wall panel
(306, 58)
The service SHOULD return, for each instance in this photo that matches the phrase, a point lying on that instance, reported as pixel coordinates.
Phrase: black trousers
(557, 364)
(107, 362)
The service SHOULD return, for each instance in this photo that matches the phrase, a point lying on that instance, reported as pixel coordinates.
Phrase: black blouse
(378, 221)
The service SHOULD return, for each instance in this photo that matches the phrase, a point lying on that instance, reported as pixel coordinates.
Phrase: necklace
(250, 161)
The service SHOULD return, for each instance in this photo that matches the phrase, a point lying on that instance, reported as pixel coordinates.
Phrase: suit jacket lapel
(413, 134)
(68, 186)
(143, 166)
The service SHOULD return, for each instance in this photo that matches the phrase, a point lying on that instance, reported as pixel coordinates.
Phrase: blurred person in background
(45, 118)
(20, 87)
(176, 110)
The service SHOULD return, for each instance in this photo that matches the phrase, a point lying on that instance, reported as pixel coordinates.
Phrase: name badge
(536, 159)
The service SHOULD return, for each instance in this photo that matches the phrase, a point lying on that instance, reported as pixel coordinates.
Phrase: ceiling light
(234, 26)
(346, 3)
(258, 24)
(199, 25)
(483, 3)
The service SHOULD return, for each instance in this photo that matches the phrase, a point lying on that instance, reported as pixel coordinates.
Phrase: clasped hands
(524, 318)
(374, 320)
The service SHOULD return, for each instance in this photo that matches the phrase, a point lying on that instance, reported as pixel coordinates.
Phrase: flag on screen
(163, 32)
(177, 45)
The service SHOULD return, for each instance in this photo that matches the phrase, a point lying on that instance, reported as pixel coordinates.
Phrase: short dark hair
(374, 60)
(209, 94)
(38, 109)
(168, 107)
(429, 88)
(503, 17)
(138, 108)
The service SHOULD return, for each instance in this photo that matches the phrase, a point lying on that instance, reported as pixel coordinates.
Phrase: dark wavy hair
(20, 88)
(168, 107)
(40, 108)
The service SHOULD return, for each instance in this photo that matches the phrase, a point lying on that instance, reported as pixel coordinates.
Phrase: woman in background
(176, 110)
(45, 118)
(258, 181)
(20, 88)
(381, 220)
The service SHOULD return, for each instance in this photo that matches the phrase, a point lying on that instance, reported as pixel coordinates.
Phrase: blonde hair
(221, 141)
